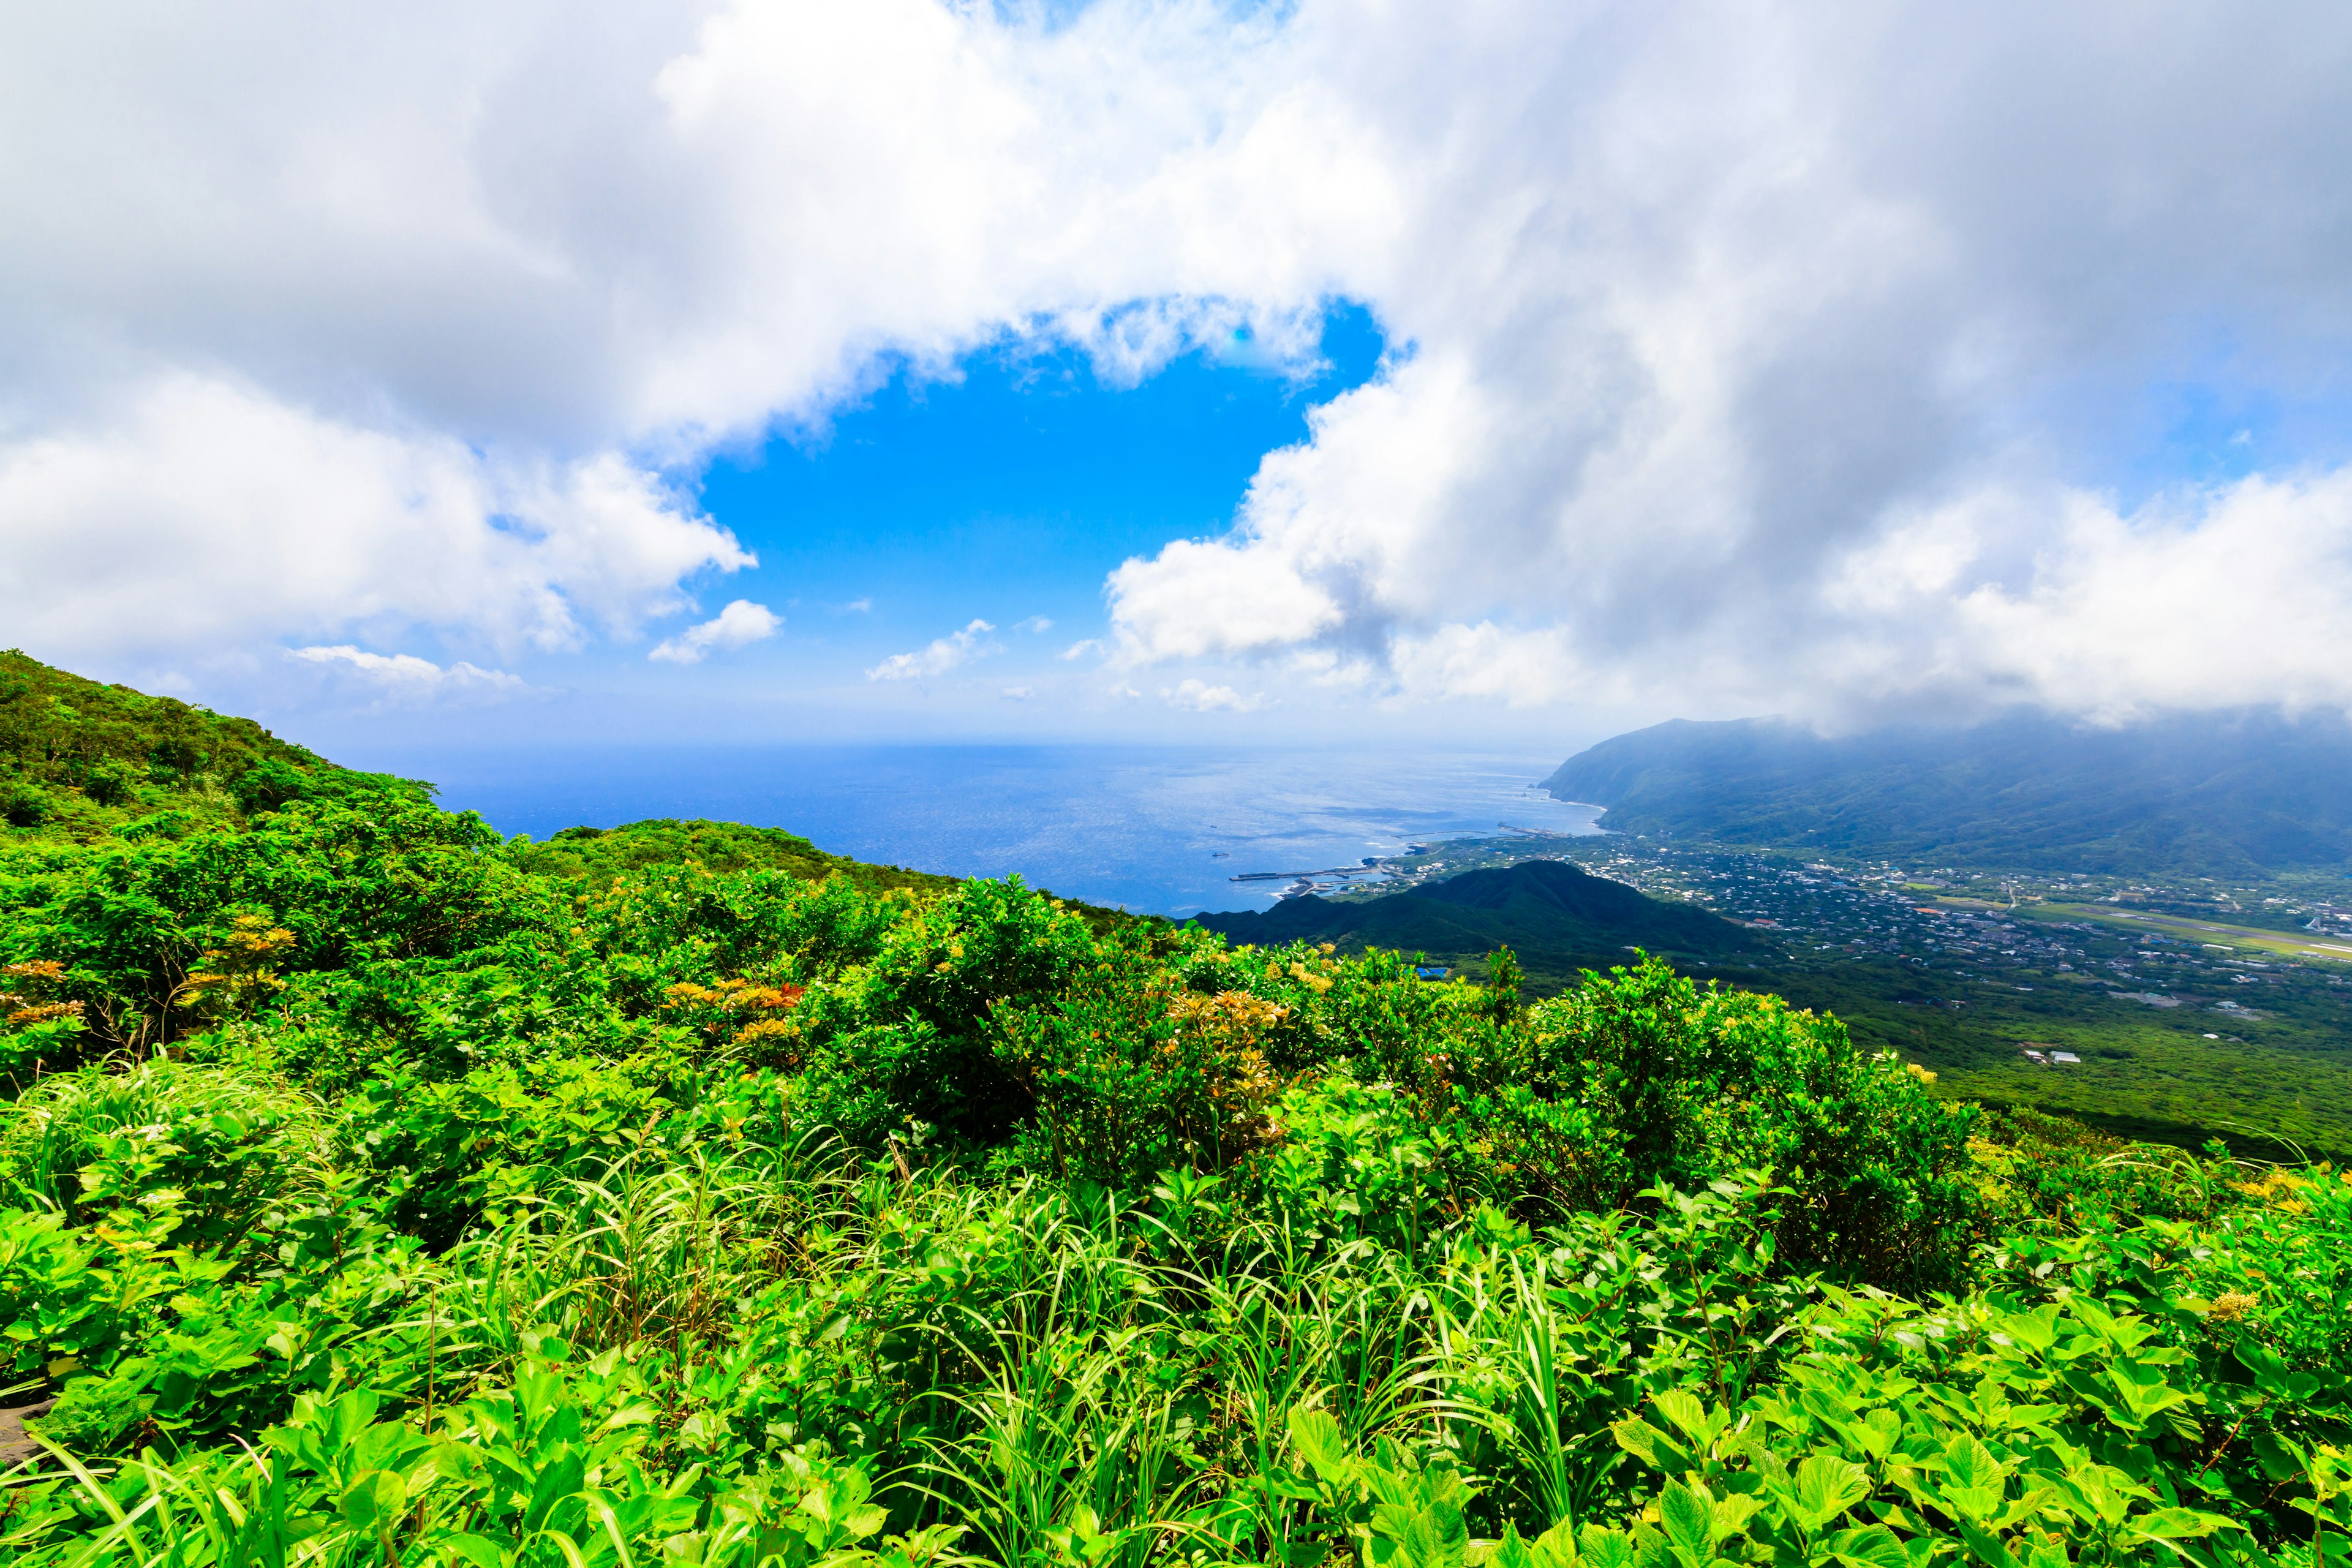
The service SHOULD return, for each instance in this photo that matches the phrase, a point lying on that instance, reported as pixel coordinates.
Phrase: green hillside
(78, 759)
(601, 854)
(1559, 919)
(376, 1192)
(2233, 795)
(598, 855)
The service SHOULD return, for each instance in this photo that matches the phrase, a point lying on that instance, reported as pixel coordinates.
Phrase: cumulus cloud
(939, 657)
(449, 292)
(1777, 354)
(403, 680)
(1767, 358)
(1198, 696)
(740, 625)
(1035, 626)
(2218, 597)
(199, 514)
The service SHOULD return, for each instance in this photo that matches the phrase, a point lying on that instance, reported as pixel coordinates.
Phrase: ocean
(1159, 830)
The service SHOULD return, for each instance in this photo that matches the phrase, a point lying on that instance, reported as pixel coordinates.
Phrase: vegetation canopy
(377, 1190)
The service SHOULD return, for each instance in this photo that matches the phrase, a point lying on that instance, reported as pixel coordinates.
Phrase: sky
(1176, 371)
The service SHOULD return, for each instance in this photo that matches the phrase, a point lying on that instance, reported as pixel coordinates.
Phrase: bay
(1160, 830)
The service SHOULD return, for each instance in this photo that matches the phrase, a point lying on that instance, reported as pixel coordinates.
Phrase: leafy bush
(1641, 1076)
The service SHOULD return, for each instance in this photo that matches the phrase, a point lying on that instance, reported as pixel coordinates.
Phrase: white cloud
(1020, 693)
(450, 290)
(740, 625)
(2219, 597)
(1776, 355)
(1754, 361)
(405, 679)
(857, 606)
(198, 514)
(1198, 696)
(938, 658)
(1035, 625)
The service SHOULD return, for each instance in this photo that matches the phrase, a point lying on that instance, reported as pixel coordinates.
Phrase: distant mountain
(1555, 917)
(2213, 795)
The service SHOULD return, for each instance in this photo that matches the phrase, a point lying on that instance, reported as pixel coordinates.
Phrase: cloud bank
(1767, 355)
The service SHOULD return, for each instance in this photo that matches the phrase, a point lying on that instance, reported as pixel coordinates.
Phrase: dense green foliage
(379, 1191)
(78, 759)
(2278, 1085)
(2232, 795)
(1558, 917)
(2157, 1074)
(376, 1190)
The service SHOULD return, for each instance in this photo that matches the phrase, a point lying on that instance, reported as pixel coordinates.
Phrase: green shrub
(1639, 1077)
(24, 805)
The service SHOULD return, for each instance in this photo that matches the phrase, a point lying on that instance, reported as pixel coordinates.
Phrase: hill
(1556, 917)
(637, 848)
(2230, 795)
(78, 759)
(601, 854)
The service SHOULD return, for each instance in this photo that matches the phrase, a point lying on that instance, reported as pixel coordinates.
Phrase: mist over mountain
(2217, 794)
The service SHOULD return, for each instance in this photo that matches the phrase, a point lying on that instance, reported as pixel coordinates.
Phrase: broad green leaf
(375, 1501)
(1556, 1547)
(1682, 1408)
(1870, 1546)
(2178, 1523)
(559, 1480)
(1985, 1546)
(1654, 1448)
(1510, 1552)
(477, 1550)
(1317, 1437)
(2278, 1456)
(1601, 1547)
(1688, 1518)
(1974, 1483)
(1825, 1487)
(2037, 1329)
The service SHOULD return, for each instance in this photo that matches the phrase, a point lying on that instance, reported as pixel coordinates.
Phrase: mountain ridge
(2237, 793)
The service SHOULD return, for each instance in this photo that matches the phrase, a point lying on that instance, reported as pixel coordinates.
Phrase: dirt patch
(16, 1445)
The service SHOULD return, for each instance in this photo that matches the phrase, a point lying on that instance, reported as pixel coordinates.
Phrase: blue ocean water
(1154, 829)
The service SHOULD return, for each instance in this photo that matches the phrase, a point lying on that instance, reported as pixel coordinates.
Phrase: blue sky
(1007, 492)
(1004, 489)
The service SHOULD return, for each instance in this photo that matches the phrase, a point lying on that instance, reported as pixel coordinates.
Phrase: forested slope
(2221, 796)
(375, 1189)
(1558, 917)
(78, 759)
